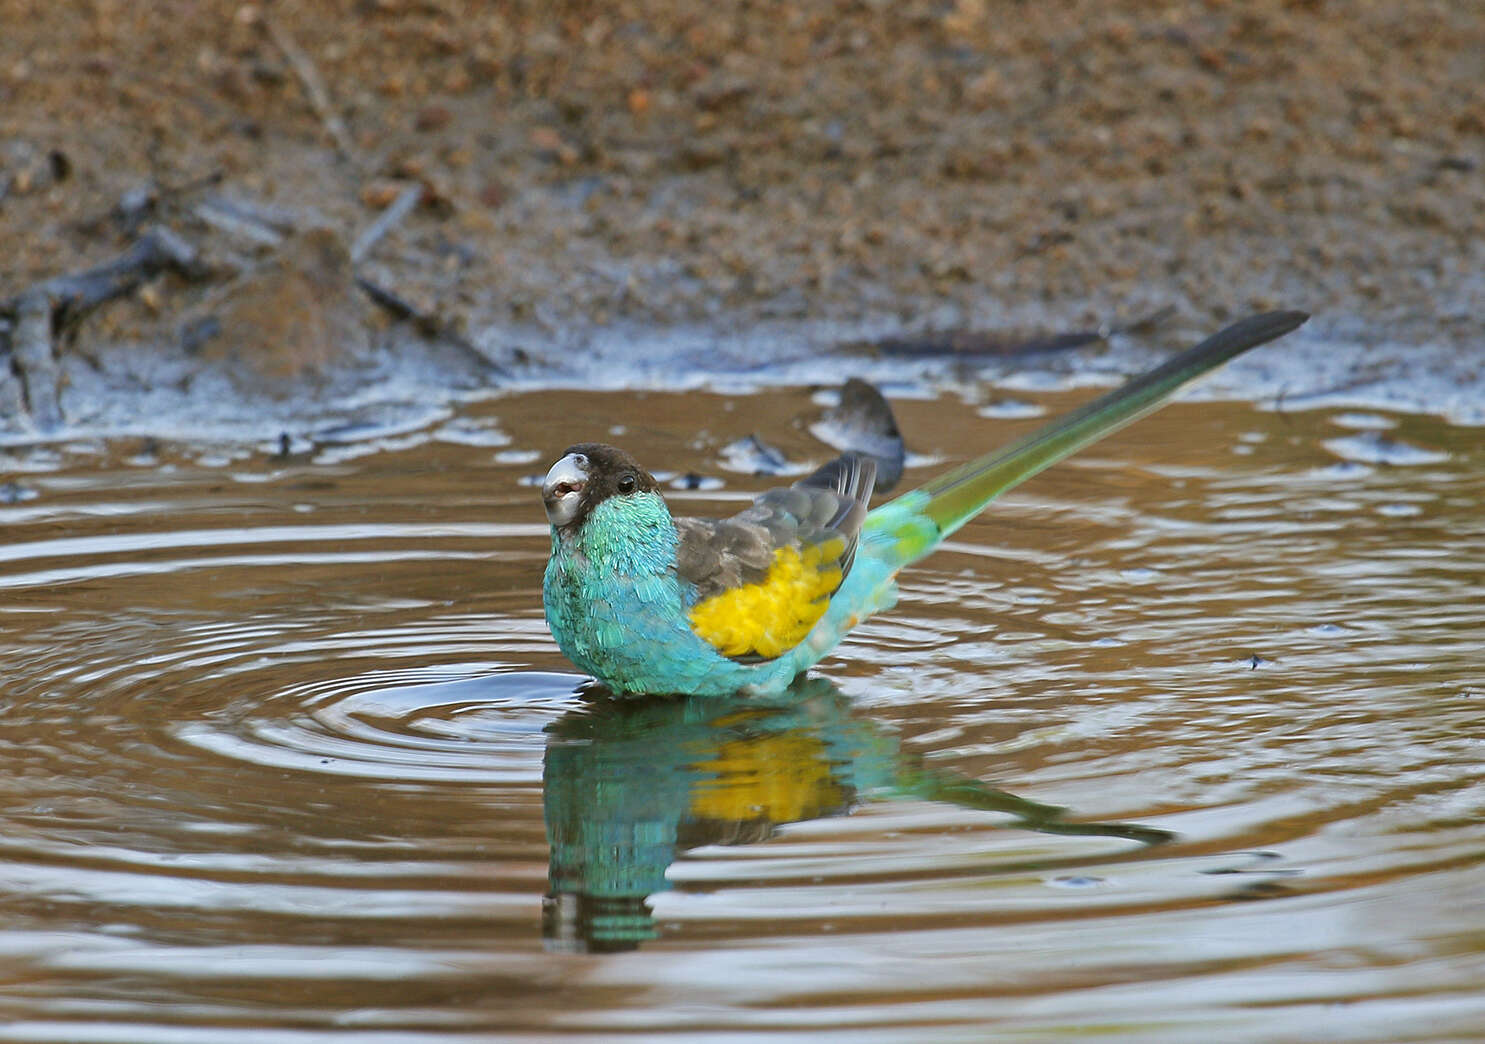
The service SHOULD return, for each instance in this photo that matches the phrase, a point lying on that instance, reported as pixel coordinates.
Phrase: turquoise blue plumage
(650, 603)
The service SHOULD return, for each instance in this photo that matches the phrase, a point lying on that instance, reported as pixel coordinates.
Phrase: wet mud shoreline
(833, 173)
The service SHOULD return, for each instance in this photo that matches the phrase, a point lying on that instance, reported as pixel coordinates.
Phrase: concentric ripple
(400, 725)
(1181, 741)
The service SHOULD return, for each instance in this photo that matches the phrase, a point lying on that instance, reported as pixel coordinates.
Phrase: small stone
(549, 140)
(149, 296)
(432, 118)
(378, 195)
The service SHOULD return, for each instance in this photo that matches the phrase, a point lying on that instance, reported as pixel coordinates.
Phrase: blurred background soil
(666, 162)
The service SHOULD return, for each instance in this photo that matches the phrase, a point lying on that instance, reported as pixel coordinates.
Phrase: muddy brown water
(1180, 741)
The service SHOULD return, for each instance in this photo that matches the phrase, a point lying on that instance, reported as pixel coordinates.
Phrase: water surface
(1182, 740)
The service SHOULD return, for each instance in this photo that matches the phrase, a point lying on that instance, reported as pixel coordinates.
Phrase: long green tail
(958, 495)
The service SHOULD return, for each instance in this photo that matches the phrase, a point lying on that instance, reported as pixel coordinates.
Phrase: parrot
(649, 603)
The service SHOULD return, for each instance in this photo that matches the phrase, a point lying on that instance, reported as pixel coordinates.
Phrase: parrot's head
(587, 475)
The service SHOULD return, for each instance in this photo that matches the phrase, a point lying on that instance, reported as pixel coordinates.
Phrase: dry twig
(314, 88)
(429, 324)
(399, 208)
(31, 321)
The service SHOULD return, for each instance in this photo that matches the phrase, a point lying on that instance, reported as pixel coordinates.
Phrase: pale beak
(563, 489)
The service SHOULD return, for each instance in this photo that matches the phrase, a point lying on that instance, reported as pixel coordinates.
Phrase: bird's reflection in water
(632, 783)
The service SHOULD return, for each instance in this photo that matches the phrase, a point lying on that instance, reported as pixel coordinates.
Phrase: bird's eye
(627, 483)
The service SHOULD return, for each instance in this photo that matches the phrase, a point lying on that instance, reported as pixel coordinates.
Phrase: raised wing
(765, 576)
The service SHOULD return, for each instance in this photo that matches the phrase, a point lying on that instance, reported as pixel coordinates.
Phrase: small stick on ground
(399, 208)
(243, 220)
(314, 89)
(31, 320)
(74, 296)
(428, 324)
(12, 392)
(976, 344)
(1144, 324)
(144, 203)
(34, 359)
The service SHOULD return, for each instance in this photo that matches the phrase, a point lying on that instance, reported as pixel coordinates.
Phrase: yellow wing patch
(768, 618)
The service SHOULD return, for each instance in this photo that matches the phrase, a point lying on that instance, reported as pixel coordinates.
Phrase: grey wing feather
(718, 554)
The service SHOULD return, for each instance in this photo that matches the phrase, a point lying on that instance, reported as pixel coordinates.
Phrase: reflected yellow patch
(771, 617)
(776, 779)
